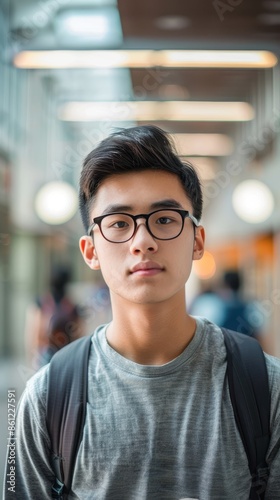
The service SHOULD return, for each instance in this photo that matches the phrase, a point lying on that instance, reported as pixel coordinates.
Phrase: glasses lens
(165, 224)
(117, 227)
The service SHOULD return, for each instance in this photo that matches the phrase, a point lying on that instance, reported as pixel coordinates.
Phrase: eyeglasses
(161, 224)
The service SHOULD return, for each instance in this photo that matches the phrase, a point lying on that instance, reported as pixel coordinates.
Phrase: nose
(142, 241)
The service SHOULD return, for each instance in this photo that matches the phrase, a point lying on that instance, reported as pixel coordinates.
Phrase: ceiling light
(203, 144)
(144, 59)
(219, 58)
(56, 202)
(97, 24)
(156, 110)
(253, 201)
(172, 22)
(63, 59)
(81, 24)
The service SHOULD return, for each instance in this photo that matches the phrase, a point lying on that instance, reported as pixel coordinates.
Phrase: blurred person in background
(53, 308)
(208, 303)
(64, 327)
(239, 314)
(225, 305)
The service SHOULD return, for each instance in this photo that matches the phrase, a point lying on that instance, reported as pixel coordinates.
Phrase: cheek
(183, 259)
(183, 251)
(111, 260)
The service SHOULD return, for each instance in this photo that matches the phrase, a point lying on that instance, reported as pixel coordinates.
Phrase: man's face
(169, 261)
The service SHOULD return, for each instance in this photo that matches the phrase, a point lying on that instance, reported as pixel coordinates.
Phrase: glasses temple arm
(194, 220)
(91, 228)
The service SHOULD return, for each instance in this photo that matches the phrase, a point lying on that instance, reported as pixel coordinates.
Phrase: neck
(151, 334)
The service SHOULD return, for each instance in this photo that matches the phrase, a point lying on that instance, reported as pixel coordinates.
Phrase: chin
(148, 298)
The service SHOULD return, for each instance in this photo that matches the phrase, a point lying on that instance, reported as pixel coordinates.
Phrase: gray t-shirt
(152, 432)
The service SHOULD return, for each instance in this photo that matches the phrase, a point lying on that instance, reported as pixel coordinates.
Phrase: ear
(199, 240)
(88, 251)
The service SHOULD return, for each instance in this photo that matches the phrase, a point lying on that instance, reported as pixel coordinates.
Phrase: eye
(120, 224)
(164, 220)
(117, 222)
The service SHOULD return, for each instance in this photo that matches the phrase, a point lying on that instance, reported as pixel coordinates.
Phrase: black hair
(59, 279)
(233, 280)
(132, 150)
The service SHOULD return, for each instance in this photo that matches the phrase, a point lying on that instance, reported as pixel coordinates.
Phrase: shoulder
(211, 330)
(273, 369)
(32, 405)
(37, 384)
(211, 340)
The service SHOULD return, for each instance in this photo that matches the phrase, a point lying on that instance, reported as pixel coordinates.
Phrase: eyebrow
(166, 203)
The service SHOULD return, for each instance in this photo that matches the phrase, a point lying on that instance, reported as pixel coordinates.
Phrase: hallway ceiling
(157, 25)
(161, 24)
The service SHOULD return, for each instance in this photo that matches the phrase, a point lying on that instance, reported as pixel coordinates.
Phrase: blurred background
(73, 71)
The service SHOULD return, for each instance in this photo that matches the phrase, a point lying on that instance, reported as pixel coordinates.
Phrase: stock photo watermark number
(11, 461)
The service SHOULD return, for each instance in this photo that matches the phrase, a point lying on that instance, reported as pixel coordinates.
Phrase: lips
(146, 267)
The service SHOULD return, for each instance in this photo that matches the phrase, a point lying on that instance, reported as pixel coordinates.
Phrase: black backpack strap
(250, 398)
(66, 409)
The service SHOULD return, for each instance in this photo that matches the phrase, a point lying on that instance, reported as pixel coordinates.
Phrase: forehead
(139, 191)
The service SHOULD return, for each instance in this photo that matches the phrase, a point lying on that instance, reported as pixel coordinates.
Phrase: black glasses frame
(184, 214)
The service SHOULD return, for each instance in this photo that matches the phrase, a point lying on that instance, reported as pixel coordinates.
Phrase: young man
(159, 421)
